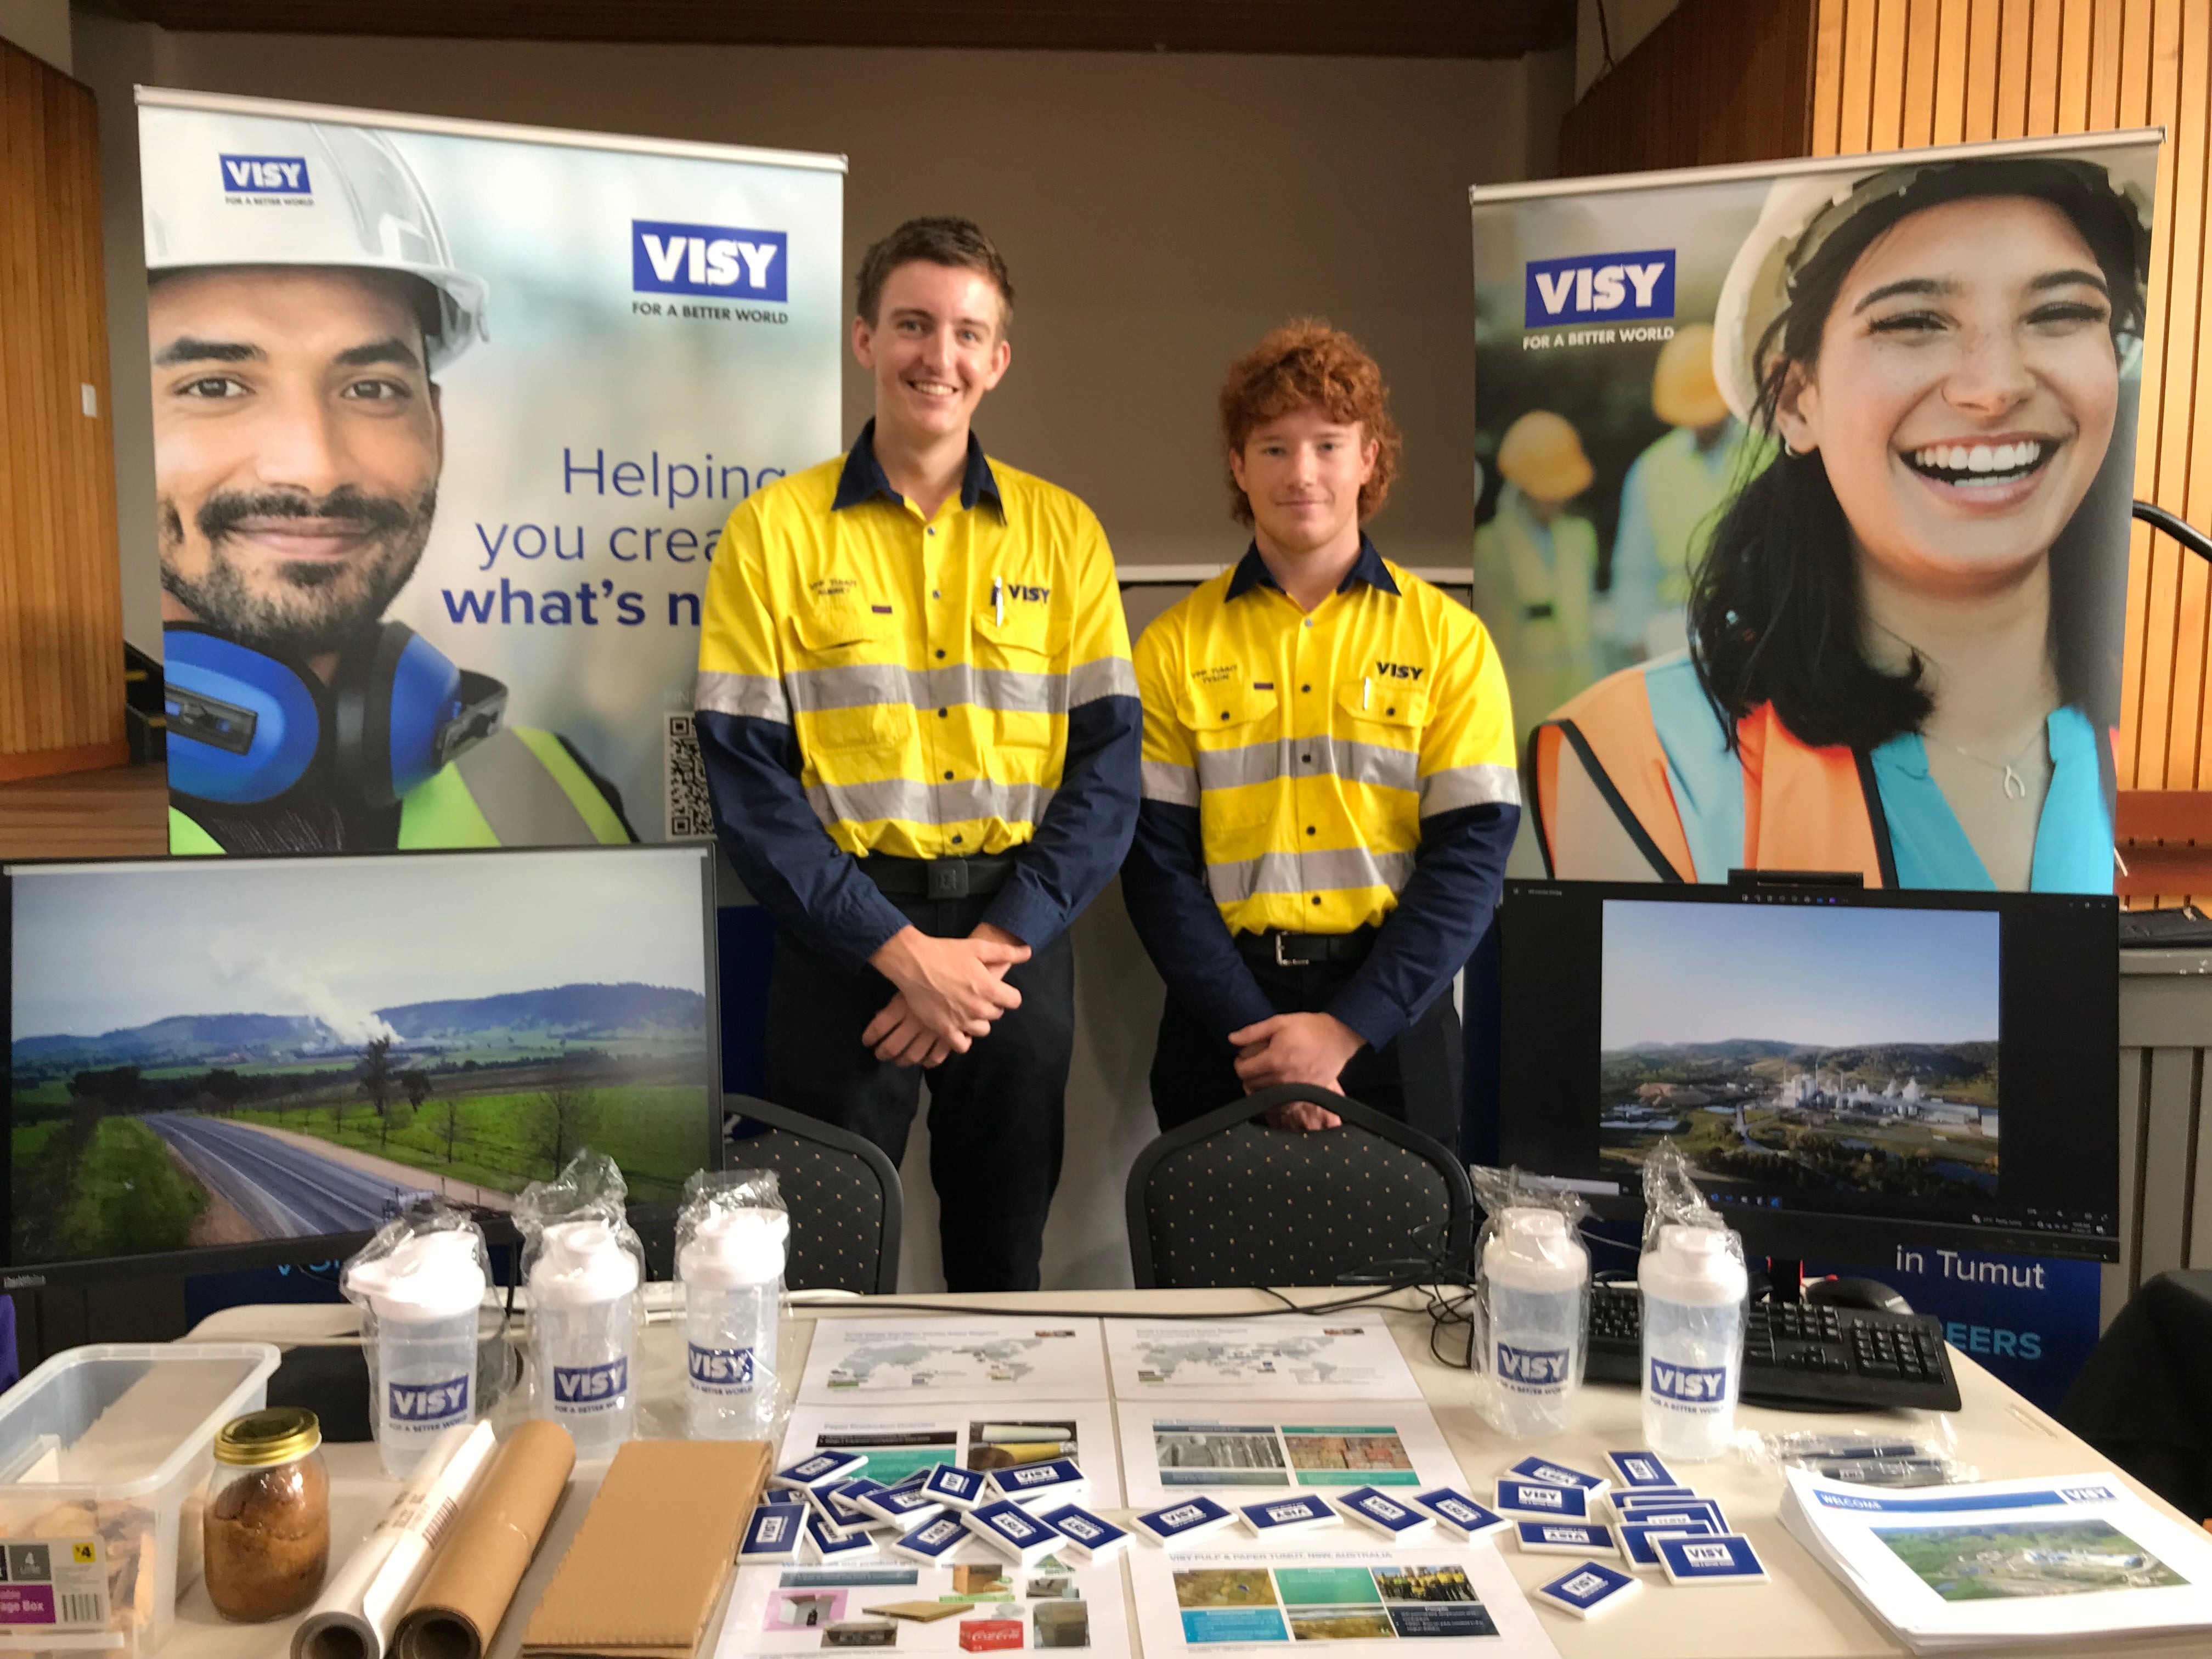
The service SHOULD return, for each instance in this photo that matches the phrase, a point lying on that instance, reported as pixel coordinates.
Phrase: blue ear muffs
(244, 726)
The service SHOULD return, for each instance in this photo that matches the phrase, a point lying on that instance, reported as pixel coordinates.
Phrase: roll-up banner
(446, 419)
(1802, 508)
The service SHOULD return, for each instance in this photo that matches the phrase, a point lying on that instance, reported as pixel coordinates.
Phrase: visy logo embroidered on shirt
(1398, 671)
(1035, 595)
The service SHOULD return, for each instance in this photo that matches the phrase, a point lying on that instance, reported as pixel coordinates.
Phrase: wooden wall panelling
(1717, 81)
(2013, 68)
(61, 624)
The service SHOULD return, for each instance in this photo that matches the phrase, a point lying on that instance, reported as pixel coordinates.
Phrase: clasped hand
(1310, 1049)
(950, 991)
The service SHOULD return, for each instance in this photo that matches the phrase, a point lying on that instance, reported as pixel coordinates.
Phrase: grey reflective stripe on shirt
(1468, 786)
(1164, 780)
(916, 802)
(1334, 871)
(1308, 757)
(863, 685)
(521, 801)
(754, 696)
(1109, 676)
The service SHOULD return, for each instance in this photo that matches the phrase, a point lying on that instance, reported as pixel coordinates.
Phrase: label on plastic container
(722, 1370)
(57, 1583)
(582, 1390)
(1532, 1370)
(427, 1404)
(1689, 1387)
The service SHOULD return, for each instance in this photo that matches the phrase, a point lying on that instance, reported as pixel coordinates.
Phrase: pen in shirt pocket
(998, 602)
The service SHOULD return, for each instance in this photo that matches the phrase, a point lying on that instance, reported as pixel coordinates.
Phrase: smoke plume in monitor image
(1825, 1049)
(212, 1052)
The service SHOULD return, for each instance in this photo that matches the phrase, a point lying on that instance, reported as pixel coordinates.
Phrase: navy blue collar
(1252, 572)
(863, 478)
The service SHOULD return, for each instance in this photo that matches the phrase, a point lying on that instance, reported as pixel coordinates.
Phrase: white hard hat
(1799, 215)
(355, 203)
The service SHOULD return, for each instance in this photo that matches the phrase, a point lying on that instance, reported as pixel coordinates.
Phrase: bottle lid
(735, 1247)
(1534, 1249)
(1694, 1266)
(582, 1262)
(425, 1277)
(278, 1435)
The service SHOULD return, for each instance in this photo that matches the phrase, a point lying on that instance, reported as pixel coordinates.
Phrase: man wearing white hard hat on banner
(301, 294)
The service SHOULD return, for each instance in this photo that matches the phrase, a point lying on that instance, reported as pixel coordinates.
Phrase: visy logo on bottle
(718, 262)
(1600, 287)
(410, 1403)
(724, 1370)
(265, 175)
(1689, 1385)
(1532, 1368)
(590, 1387)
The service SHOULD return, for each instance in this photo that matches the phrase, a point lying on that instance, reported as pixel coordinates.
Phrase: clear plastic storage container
(104, 1450)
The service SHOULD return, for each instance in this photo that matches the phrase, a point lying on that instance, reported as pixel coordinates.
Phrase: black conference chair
(1227, 1200)
(847, 1210)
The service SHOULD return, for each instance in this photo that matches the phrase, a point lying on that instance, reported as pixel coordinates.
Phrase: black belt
(1304, 949)
(938, 878)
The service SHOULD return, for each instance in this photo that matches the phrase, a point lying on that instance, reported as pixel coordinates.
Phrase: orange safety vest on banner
(1803, 808)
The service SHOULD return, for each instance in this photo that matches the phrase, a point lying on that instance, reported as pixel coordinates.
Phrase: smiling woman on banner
(1905, 637)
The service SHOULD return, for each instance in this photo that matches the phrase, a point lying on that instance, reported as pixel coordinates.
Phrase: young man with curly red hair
(1330, 792)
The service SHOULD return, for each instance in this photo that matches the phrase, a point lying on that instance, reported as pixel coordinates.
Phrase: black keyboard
(1799, 1355)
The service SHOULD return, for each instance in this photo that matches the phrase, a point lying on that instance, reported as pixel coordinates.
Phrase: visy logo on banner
(1600, 287)
(265, 175)
(718, 261)
(1532, 1368)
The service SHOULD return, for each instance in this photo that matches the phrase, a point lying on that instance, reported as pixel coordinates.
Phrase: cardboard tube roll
(480, 1562)
(354, 1615)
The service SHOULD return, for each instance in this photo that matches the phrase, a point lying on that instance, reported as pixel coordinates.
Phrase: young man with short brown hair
(921, 729)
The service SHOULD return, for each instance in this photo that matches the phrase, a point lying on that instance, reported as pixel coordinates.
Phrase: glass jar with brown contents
(267, 1523)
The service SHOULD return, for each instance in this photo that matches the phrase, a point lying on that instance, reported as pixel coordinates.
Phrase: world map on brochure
(924, 1367)
(1273, 1359)
(967, 1357)
(1303, 1357)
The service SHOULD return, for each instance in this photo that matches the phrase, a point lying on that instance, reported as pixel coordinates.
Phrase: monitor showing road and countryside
(221, 1054)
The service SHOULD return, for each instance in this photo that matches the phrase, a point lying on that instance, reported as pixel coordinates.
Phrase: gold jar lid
(275, 1436)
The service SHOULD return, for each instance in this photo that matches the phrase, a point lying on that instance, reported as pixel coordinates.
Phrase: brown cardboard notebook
(649, 1562)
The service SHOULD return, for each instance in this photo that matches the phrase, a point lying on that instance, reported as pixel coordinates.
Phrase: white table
(1802, 1614)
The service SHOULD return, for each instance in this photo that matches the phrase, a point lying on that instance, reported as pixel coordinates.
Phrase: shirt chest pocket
(1235, 732)
(845, 680)
(1019, 650)
(1382, 718)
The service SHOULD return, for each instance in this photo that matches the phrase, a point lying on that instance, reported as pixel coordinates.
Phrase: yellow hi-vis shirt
(1313, 745)
(928, 668)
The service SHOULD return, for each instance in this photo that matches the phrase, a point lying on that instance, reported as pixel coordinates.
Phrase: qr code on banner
(684, 772)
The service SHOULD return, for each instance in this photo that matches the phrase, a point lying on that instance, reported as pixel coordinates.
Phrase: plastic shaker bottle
(733, 1273)
(583, 1298)
(425, 1295)
(1535, 1270)
(1693, 1287)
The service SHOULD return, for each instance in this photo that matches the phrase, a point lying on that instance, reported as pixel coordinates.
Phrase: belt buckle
(948, 878)
(1282, 961)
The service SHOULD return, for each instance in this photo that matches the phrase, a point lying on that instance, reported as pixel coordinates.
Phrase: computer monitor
(1848, 1071)
(215, 1063)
